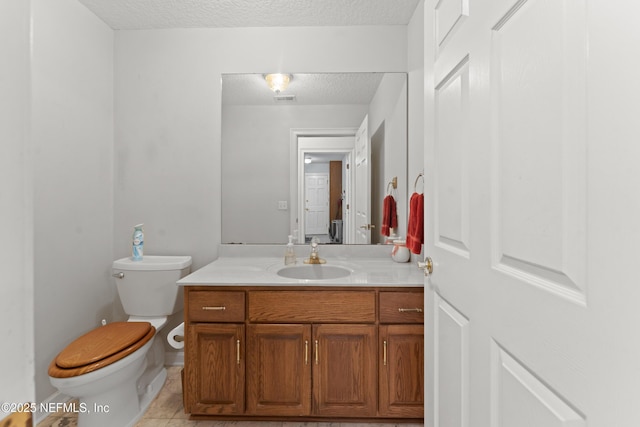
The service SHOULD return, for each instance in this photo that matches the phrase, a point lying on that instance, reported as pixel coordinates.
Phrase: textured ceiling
(250, 88)
(154, 14)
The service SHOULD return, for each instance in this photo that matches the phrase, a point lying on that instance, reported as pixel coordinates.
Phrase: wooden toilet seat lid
(101, 343)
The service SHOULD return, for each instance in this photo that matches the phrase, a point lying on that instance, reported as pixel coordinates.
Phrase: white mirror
(269, 192)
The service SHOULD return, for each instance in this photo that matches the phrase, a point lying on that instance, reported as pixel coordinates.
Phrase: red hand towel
(415, 226)
(389, 215)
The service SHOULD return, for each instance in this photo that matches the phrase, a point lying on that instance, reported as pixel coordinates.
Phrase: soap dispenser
(289, 253)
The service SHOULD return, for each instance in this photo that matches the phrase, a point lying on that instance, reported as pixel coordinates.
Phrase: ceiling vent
(284, 98)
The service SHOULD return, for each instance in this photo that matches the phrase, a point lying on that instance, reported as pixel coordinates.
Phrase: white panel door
(316, 192)
(363, 185)
(531, 213)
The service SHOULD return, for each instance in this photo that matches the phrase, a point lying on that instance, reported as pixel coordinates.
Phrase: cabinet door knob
(316, 352)
(306, 352)
(238, 352)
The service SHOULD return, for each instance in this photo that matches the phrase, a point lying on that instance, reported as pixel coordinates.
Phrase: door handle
(426, 266)
(368, 226)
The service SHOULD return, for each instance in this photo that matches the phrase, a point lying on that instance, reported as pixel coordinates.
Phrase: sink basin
(314, 272)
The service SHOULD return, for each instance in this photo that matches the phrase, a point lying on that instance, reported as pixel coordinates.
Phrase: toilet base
(152, 391)
(124, 408)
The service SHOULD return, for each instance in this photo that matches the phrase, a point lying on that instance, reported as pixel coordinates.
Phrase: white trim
(174, 358)
(296, 169)
(52, 401)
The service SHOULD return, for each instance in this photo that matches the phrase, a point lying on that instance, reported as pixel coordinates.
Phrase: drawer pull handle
(214, 308)
(410, 310)
(306, 352)
(384, 352)
(238, 352)
(316, 352)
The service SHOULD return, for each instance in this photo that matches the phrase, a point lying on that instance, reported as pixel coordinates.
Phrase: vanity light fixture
(307, 160)
(278, 82)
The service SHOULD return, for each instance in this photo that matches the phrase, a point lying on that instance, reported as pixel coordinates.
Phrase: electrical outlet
(282, 205)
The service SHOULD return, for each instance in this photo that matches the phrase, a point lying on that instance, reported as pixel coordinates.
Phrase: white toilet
(116, 370)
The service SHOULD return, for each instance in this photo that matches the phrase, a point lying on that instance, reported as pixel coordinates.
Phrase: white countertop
(262, 270)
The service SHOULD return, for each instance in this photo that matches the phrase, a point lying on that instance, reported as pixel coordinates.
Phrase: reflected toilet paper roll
(176, 336)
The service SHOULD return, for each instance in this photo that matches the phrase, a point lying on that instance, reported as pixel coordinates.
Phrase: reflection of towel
(389, 215)
(415, 227)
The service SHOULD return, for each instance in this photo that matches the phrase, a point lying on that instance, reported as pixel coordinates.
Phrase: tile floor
(166, 411)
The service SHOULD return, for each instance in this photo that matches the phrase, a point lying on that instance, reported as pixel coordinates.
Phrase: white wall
(72, 134)
(389, 108)
(416, 89)
(258, 139)
(16, 207)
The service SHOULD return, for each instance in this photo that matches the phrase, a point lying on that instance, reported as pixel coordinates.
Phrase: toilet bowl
(117, 369)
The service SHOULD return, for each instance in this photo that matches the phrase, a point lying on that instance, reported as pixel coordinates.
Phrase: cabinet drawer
(401, 307)
(312, 306)
(216, 306)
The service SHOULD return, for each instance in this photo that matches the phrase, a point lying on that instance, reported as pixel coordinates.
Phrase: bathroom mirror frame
(256, 217)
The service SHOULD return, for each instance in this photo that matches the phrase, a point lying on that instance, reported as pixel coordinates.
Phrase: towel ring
(415, 184)
(393, 183)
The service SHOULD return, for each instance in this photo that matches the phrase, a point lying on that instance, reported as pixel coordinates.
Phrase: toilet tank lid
(153, 262)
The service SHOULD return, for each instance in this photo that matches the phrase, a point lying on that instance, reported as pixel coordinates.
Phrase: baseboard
(56, 400)
(174, 358)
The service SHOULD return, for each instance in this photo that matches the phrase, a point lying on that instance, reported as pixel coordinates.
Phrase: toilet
(116, 370)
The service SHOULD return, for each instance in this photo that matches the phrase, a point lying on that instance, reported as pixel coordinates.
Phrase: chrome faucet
(314, 257)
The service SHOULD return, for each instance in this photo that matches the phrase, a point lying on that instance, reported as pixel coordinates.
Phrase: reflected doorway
(330, 153)
(324, 197)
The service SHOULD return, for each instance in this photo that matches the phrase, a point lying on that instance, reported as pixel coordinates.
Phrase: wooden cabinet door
(215, 369)
(344, 370)
(278, 370)
(401, 371)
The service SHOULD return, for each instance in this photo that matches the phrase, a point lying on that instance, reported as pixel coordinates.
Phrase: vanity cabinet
(279, 362)
(264, 352)
(344, 371)
(215, 379)
(332, 349)
(288, 365)
(214, 352)
(401, 371)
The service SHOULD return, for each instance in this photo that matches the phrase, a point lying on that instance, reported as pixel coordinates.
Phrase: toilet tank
(148, 287)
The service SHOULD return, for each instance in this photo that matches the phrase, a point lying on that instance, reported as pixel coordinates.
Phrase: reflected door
(316, 190)
(363, 185)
